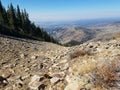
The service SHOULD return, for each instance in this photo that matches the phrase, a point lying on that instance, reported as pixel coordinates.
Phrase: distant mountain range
(73, 33)
(83, 23)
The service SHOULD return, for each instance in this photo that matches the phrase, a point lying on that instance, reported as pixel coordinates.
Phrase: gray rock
(33, 57)
(22, 55)
(54, 80)
(35, 83)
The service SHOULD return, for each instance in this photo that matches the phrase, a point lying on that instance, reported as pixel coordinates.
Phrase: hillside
(76, 34)
(107, 31)
(33, 65)
(72, 35)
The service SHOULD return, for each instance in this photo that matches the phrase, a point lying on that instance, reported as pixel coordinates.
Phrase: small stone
(26, 76)
(66, 66)
(63, 61)
(19, 83)
(35, 82)
(54, 80)
(34, 65)
(27, 69)
(33, 57)
(22, 55)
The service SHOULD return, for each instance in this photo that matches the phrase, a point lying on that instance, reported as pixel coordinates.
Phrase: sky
(67, 10)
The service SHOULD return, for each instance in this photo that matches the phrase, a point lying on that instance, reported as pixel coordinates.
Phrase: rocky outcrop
(33, 65)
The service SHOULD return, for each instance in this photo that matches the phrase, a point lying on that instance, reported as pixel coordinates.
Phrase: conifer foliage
(16, 22)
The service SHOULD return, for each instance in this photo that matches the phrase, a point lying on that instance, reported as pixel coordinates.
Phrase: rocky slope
(33, 65)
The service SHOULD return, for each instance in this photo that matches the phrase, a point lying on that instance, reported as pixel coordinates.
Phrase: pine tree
(27, 21)
(5, 16)
(12, 17)
(19, 17)
(16, 22)
(23, 19)
(1, 14)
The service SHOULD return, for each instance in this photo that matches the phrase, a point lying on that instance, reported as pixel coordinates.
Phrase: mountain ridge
(67, 34)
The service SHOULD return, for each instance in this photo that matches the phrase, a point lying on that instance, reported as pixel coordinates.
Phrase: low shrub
(77, 54)
(108, 75)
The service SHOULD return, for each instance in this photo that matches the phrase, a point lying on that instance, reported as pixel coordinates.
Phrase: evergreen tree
(5, 16)
(16, 22)
(27, 21)
(12, 17)
(19, 18)
(1, 14)
(1, 18)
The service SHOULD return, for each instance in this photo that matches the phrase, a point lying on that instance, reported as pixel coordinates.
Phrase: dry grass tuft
(108, 75)
(78, 53)
(116, 35)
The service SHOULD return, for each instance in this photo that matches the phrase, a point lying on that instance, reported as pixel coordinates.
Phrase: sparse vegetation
(107, 76)
(116, 35)
(77, 54)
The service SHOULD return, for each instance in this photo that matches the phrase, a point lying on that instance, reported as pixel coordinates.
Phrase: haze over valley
(77, 32)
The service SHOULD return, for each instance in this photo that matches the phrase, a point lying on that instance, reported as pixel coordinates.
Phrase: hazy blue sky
(52, 10)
